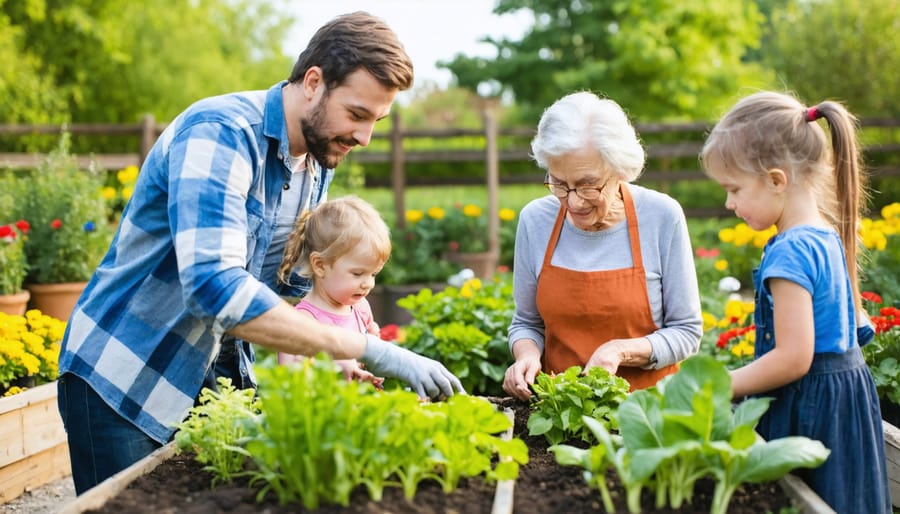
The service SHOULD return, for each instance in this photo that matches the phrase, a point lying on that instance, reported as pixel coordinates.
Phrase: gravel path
(47, 499)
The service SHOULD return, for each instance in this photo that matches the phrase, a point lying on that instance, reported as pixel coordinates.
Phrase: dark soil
(179, 485)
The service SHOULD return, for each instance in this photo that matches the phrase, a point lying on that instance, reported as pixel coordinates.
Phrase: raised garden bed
(892, 449)
(164, 482)
(33, 447)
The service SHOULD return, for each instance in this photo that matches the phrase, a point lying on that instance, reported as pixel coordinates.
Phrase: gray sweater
(668, 264)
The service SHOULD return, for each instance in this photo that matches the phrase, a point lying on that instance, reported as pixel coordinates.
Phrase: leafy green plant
(218, 429)
(68, 218)
(565, 399)
(13, 265)
(319, 436)
(684, 429)
(883, 354)
(466, 329)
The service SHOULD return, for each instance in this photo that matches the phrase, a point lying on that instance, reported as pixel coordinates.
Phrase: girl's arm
(795, 342)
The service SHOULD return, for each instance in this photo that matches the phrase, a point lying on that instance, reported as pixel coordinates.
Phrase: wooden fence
(682, 143)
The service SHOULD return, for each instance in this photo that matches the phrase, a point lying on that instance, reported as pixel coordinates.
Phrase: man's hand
(427, 377)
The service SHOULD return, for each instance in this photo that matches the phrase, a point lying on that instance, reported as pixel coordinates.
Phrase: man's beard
(316, 142)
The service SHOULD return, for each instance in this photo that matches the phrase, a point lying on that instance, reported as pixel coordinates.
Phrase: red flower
(889, 312)
(389, 332)
(710, 253)
(6, 231)
(23, 226)
(56, 224)
(871, 297)
(454, 246)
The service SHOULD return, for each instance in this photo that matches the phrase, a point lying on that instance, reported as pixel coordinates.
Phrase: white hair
(583, 119)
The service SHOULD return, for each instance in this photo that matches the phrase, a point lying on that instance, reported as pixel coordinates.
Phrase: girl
(342, 244)
(774, 161)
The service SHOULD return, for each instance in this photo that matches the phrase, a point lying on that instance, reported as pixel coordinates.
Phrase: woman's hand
(521, 374)
(621, 352)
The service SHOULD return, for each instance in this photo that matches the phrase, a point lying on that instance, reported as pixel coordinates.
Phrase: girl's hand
(354, 370)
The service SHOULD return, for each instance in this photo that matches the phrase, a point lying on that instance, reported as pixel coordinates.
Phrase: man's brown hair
(352, 41)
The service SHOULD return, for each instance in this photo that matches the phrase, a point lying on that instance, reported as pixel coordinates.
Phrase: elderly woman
(604, 273)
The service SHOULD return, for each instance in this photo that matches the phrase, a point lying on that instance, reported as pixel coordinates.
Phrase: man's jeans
(101, 442)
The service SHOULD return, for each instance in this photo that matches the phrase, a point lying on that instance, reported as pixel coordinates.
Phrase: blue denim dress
(835, 403)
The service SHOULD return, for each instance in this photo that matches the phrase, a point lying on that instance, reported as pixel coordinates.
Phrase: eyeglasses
(583, 192)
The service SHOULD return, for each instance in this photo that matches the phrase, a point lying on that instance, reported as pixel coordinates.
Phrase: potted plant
(465, 328)
(415, 264)
(69, 228)
(465, 234)
(13, 268)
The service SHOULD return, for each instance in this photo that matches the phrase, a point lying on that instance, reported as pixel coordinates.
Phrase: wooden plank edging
(503, 495)
(892, 452)
(31, 395)
(102, 492)
(803, 497)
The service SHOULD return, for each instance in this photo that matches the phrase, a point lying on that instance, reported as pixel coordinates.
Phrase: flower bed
(33, 441)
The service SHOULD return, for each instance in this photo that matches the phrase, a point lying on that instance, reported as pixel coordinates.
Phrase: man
(192, 266)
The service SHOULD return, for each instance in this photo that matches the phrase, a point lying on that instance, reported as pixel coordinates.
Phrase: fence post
(398, 175)
(148, 136)
(489, 114)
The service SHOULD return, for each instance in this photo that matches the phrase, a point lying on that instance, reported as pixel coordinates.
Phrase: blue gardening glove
(428, 378)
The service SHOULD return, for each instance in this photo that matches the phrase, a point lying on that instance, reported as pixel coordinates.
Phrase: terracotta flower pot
(56, 300)
(15, 304)
(484, 264)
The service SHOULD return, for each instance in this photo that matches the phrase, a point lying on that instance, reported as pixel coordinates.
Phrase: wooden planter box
(33, 447)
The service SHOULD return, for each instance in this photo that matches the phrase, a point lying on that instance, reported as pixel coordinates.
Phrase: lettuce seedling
(684, 429)
(563, 399)
(218, 428)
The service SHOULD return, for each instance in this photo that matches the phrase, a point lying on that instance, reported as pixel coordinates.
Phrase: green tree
(23, 97)
(115, 60)
(661, 59)
(847, 50)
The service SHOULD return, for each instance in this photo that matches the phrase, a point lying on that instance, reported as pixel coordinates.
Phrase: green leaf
(773, 459)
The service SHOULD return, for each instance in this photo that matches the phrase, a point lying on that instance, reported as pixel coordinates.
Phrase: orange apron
(585, 309)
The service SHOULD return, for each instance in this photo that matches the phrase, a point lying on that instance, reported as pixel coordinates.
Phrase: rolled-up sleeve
(210, 174)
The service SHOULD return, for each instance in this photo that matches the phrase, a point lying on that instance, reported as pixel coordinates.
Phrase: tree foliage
(661, 59)
(847, 50)
(115, 60)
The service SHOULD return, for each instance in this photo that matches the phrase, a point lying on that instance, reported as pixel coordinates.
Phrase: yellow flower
(29, 346)
(414, 215)
(128, 175)
(743, 349)
(127, 191)
(734, 309)
(507, 214)
(108, 193)
(891, 211)
(726, 235)
(709, 321)
(469, 287)
(721, 264)
(436, 213)
(472, 211)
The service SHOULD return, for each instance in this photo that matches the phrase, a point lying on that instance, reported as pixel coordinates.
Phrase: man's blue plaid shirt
(184, 263)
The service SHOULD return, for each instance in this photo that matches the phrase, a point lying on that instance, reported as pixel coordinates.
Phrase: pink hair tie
(812, 114)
